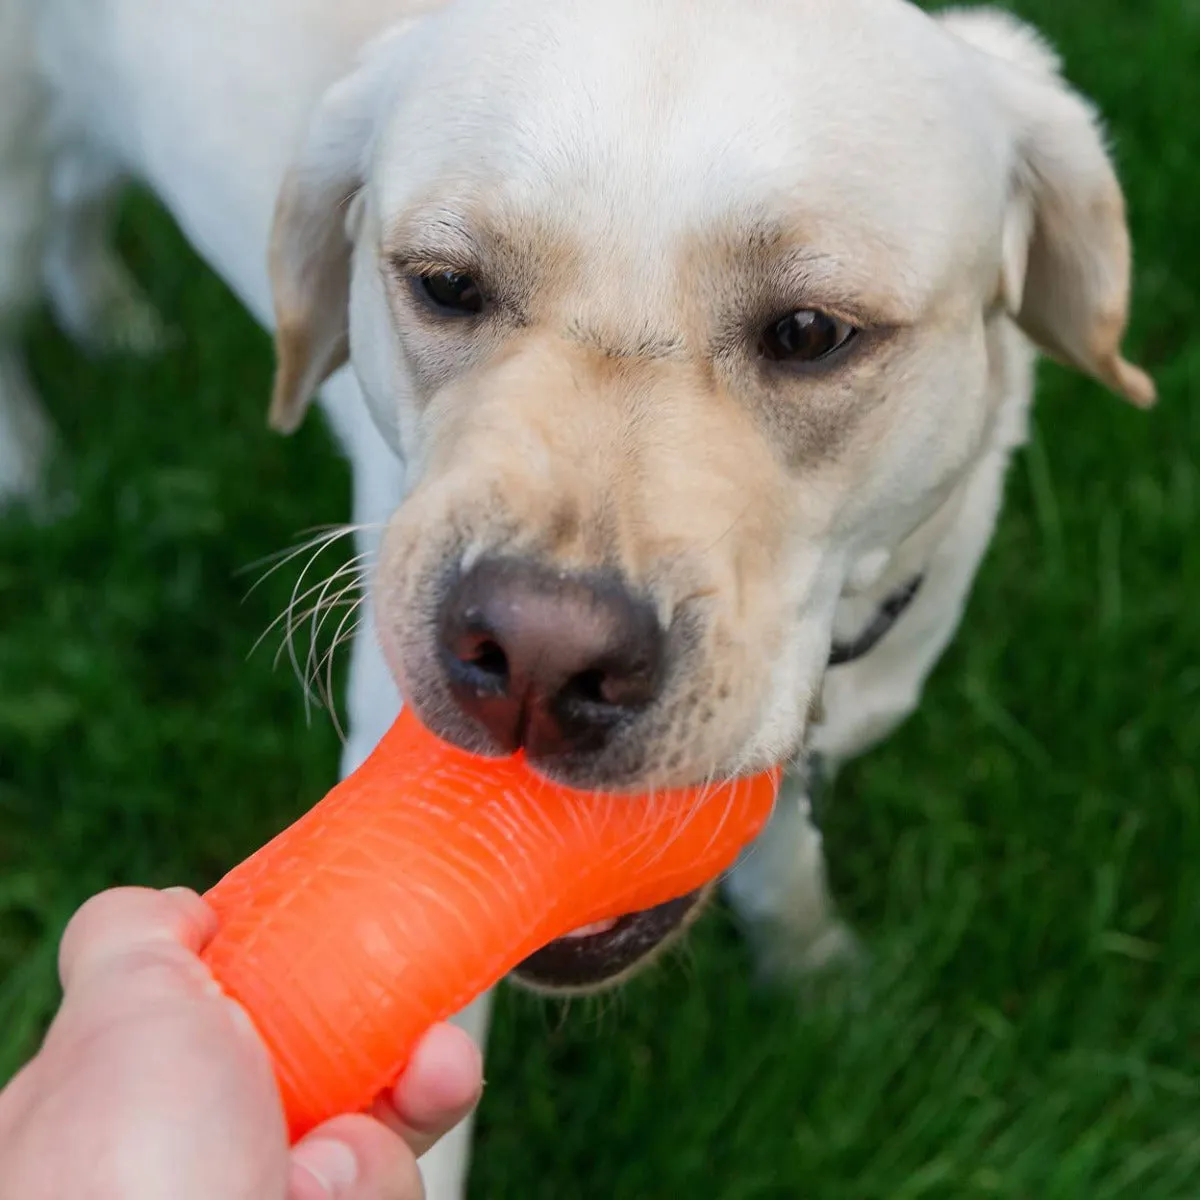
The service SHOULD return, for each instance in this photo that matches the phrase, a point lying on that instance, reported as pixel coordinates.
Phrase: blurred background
(1022, 860)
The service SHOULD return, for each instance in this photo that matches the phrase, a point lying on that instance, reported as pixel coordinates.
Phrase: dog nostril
(478, 663)
(489, 657)
(604, 687)
(548, 660)
(588, 686)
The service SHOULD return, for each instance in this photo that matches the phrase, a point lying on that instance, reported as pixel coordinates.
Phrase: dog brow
(433, 237)
(630, 344)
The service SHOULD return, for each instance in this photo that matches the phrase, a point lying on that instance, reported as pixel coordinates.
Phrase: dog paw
(26, 438)
(127, 323)
(132, 326)
(784, 955)
(102, 308)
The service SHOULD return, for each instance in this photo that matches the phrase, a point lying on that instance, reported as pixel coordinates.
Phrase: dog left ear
(1066, 251)
(312, 235)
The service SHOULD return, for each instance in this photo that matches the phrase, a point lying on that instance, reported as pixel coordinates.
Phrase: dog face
(676, 311)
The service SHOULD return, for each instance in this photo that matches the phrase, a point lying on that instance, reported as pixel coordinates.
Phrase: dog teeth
(591, 930)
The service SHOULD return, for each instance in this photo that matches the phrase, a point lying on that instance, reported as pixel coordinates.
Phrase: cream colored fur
(637, 172)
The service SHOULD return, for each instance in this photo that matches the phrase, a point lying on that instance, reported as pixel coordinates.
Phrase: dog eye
(454, 293)
(804, 337)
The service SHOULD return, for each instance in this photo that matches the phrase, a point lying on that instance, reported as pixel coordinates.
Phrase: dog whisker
(355, 564)
(323, 537)
(310, 606)
(290, 619)
(327, 603)
(341, 636)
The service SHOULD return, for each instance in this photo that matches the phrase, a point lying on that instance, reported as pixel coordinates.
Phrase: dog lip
(588, 962)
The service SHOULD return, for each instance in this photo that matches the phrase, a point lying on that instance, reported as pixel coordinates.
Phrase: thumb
(130, 927)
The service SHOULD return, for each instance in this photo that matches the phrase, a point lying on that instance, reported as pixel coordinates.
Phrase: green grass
(1023, 858)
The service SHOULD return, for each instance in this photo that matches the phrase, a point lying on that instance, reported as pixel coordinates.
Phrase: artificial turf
(1022, 859)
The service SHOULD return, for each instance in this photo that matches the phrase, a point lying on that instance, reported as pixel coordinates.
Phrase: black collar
(889, 613)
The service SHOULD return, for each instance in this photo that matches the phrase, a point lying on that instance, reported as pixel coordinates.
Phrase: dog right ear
(1066, 247)
(313, 231)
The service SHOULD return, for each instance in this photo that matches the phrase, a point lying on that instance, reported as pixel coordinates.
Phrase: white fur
(24, 183)
(209, 101)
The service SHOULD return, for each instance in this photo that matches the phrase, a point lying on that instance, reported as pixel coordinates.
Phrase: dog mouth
(603, 952)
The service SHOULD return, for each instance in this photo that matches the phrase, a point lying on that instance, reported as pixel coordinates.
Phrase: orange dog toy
(420, 881)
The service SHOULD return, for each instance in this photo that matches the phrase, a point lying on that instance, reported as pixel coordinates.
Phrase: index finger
(440, 1087)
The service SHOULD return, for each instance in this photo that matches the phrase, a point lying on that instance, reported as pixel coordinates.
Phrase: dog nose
(549, 661)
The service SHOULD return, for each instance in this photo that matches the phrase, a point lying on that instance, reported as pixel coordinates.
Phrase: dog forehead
(647, 117)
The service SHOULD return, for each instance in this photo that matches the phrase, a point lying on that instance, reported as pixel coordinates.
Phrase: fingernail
(332, 1164)
(184, 893)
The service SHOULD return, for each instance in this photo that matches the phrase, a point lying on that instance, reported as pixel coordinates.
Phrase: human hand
(151, 1083)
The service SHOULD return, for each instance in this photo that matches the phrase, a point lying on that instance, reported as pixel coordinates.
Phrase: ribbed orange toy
(425, 877)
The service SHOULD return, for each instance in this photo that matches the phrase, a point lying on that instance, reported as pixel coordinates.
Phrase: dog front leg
(779, 891)
(372, 699)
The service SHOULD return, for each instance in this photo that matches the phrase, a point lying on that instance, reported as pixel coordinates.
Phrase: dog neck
(884, 584)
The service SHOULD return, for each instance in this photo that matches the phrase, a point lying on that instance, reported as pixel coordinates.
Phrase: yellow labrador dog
(679, 347)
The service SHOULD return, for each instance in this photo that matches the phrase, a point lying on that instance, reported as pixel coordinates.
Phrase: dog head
(675, 311)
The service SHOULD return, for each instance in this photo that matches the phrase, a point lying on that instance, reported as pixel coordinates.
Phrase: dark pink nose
(549, 661)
